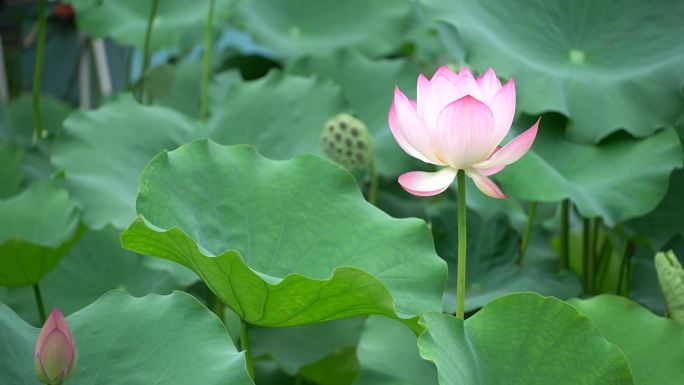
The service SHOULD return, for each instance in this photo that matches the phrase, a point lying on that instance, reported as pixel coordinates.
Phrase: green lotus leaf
(120, 339)
(102, 153)
(388, 355)
(296, 347)
(368, 85)
(11, 173)
(283, 243)
(619, 179)
(282, 115)
(178, 23)
(95, 265)
(593, 65)
(522, 338)
(294, 28)
(491, 269)
(653, 345)
(39, 226)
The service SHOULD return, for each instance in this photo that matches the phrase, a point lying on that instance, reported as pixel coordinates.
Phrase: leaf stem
(244, 343)
(38, 73)
(565, 235)
(528, 233)
(39, 303)
(373, 189)
(460, 284)
(587, 256)
(206, 56)
(624, 266)
(216, 305)
(146, 51)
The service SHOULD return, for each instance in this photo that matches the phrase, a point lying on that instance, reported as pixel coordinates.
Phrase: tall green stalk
(460, 282)
(206, 61)
(39, 302)
(565, 235)
(244, 343)
(373, 189)
(38, 73)
(587, 256)
(528, 233)
(146, 51)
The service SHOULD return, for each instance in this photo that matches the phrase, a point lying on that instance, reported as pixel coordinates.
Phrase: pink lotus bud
(55, 351)
(458, 122)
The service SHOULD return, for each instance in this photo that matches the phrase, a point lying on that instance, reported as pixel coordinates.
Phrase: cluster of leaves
(148, 198)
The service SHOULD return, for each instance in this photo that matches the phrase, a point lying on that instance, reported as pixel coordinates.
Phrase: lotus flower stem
(528, 232)
(38, 73)
(244, 343)
(206, 56)
(460, 283)
(373, 189)
(146, 51)
(565, 235)
(39, 302)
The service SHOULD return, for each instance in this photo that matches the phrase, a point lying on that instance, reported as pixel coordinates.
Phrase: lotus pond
(319, 192)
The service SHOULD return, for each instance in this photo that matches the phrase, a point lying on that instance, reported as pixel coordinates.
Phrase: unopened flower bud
(55, 351)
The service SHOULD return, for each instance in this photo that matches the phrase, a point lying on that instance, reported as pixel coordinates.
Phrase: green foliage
(116, 344)
(517, 339)
(271, 251)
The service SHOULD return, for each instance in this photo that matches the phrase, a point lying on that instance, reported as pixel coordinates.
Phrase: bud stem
(39, 303)
(206, 56)
(373, 189)
(460, 283)
(244, 342)
(565, 235)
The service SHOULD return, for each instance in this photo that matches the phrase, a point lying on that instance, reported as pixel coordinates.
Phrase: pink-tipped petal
(465, 128)
(489, 84)
(422, 94)
(486, 185)
(409, 130)
(427, 183)
(513, 150)
(447, 73)
(503, 107)
(489, 171)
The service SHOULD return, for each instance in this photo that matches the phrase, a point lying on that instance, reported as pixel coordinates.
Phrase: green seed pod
(671, 278)
(345, 140)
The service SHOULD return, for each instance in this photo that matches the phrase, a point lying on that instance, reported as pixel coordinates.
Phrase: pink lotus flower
(55, 351)
(458, 122)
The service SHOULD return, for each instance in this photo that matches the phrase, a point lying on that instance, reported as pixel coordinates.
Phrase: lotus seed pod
(671, 278)
(345, 140)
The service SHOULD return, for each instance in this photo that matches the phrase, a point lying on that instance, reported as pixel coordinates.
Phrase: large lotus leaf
(283, 243)
(39, 226)
(491, 269)
(605, 69)
(299, 27)
(667, 219)
(102, 153)
(341, 367)
(177, 24)
(522, 338)
(124, 340)
(621, 178)
(282, 115)
(653, 345)
(295, 347)
(11, 172)
(95, 265)
(388, 355)
(368, 85)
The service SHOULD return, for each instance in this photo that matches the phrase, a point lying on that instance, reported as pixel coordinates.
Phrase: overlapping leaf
(522, 339)
(299, 27)
(120, 339)
(39, 225)
(283, 243)
(608, 65)
(654, 346)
